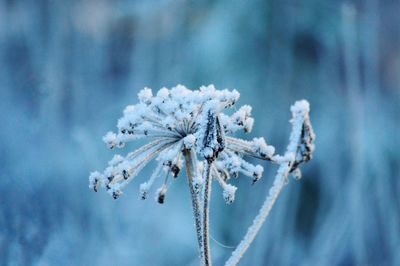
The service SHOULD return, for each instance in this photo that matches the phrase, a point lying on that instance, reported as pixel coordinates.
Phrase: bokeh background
(68, 68)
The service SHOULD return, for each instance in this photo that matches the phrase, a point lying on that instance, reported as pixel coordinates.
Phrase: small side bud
(257, 173)
(161, 194)
(229, 193)
(110, 139)
(175, 170)
(115, 192)
(125, 174)
(94, 181)
(161, 198)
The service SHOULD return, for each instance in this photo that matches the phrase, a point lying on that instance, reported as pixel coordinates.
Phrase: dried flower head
(177, 119)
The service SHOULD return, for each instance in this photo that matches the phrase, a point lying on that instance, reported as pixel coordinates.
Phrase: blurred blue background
(68, 68)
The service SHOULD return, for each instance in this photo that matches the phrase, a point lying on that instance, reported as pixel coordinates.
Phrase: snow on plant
(189, 127)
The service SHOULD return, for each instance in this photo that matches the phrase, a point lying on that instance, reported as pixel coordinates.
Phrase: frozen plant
(188, 127)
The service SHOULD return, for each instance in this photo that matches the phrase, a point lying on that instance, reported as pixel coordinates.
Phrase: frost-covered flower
(193, 127)
(177, 119)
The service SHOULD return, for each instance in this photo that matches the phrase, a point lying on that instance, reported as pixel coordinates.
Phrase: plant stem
(190, 170)
(206, 203)
(262, 215)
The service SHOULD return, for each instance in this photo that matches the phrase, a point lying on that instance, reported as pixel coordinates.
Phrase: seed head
(176, 119)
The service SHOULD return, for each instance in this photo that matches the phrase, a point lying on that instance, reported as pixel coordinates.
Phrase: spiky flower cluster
(181, 119)
(190, 126)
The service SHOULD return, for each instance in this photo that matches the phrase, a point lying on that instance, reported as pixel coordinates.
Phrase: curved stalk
(299, 150)
(279, 183)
